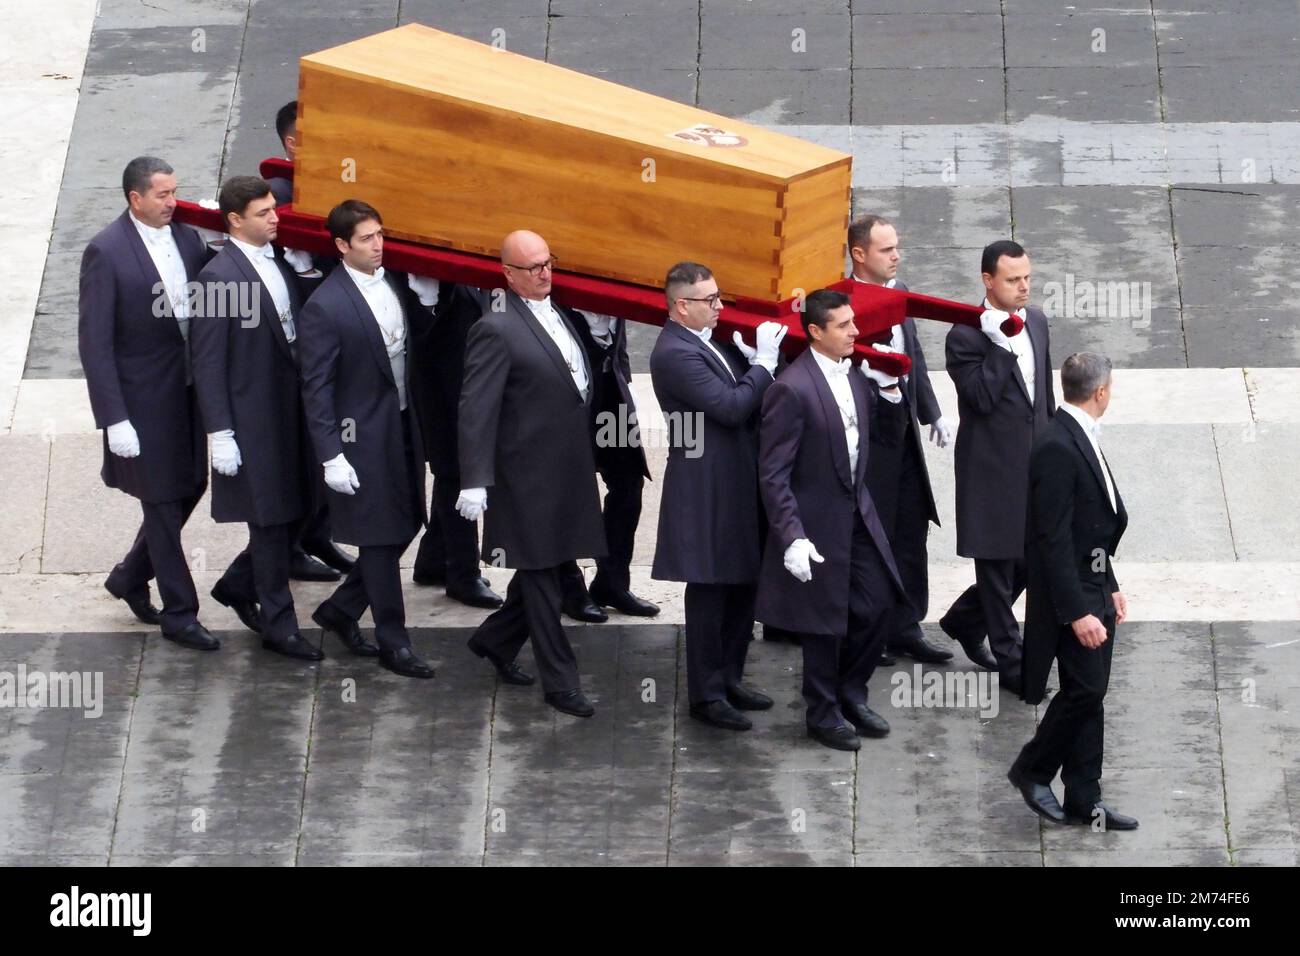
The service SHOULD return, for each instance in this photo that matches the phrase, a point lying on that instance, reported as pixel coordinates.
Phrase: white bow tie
(705, 334)
(157, 235)
(842, 367)
(369, 281)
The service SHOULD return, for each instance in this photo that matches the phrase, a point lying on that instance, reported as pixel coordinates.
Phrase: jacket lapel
(369, 324)
(149, 271)
(858, 386)
(250, 273)
(728, 375)
(548, 344)
(1085, 447)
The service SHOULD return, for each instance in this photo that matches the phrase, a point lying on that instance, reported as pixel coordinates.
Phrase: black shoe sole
(405, 673)
(834, 745)
(316, 656)
(722, 725)
(571, 712)
(485, 604)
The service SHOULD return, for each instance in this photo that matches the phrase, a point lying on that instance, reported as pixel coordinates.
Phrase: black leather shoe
(303, 567)
(778, 635)
(585, 610)
(887, 659)
(295, 646)
(625, 602)
(838, 738)
(746, 698)
(327, 552)
(1038, 796)
(865, 721)
(974, 648)
(1111, 819)
(196, 637)
(140, 606)
(508, 671)
(403, 661)
(720, 714)
(919, 649)
(330, 619)
(476, 594)
(571, 702)
(246, 611)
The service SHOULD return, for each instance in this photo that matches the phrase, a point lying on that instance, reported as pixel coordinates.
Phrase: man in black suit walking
(245, 352)
(1074, 604)
(621, 461)
(827, 570)
(366, 433)
(709, 520)
(133, 337)
(526, 462)
(1004, 400)
(896, 474)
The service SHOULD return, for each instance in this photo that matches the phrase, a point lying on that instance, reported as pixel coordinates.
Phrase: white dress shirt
(263, 260)
(171, 269)
(837, 377)
(381, 298)
(706, 336)
(1023, 349)
(1092, 428)
(570, 350)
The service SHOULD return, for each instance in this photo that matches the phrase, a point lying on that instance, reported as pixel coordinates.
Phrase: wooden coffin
(458, 143)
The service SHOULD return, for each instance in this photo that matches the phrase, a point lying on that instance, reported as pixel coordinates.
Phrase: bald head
(526, 261)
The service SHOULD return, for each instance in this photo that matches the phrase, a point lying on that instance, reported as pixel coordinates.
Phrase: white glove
(426, 289)
(299, 261)
(942, 433)
(602, 326)
(340, 476)
(209, 204)
(751, 354)
(797, 558)
(769, 338)
(225, 453)
(472, 503)
(883, 379)
(991, 325)
(122, 439)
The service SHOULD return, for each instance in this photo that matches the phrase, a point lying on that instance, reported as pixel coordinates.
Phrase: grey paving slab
(1096, 93)
(22, 484)
(184, 124)
(1017, 8)
(263, 11)
(775, 96)
(1250, 336)
(1120, 854)
(754, 6)
(52, 347)
(82, 213)
(1212, 39)
(1259, 464)
(610, 815)
(795, 818)
(950, 857)
(912, 40)
(149, 51)
(748, 41)
(611, 42)
(1250, 214)
(135, 14)
(1080, 39)
(1169, 477)
(929, 6)
(934, 95)
(571, 8)
(282, 858)
(951, 217)
(59, 284)
(1246, 92)
(58, 814)
(1239, 278)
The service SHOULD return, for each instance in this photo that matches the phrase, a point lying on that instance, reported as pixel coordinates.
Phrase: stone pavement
(1157, 155)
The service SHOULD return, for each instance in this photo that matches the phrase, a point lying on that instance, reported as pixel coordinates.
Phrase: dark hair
(817, 309)
(995, 251)
(347, 215)
(238, 191)
(139, 173)
(860, 230)
(1082, 374)
(682, 275)
(286, 118)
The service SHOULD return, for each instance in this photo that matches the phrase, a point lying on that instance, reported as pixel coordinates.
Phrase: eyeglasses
(536, 270)
(714, 300)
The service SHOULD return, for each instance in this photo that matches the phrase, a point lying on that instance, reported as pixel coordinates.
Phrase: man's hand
(426, 290)
(122, 439)
(602, 326)
(300, 262)
(340, 476)
(991, 325)
(472, 503)
(768, 336)
(750, 353)
(1090, 631)
(942, 433)
(798, 558)
(225, 453)
(1121, 606)
(883, 379)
